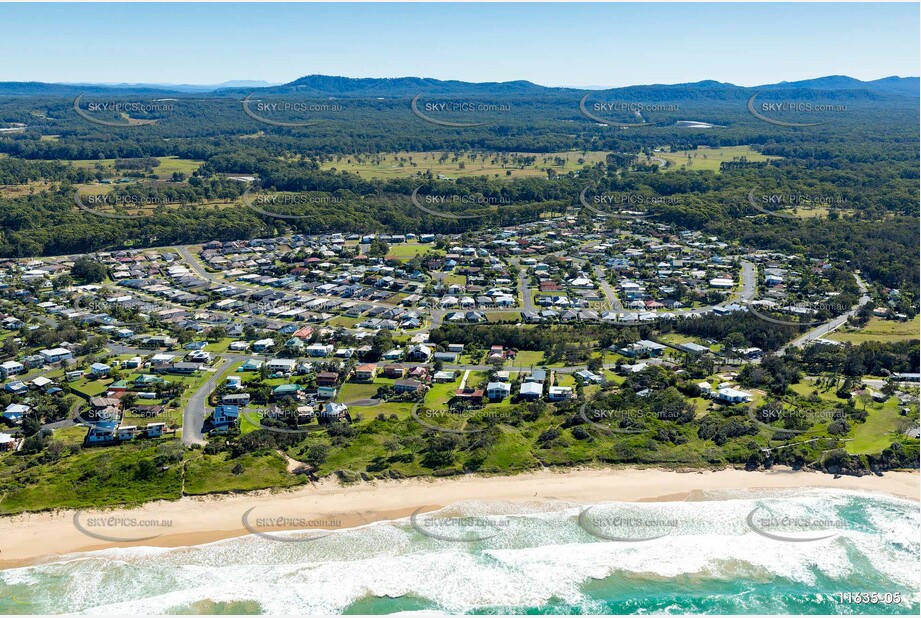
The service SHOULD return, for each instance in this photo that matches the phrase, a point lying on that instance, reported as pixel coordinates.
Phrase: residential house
(407, 386)
(420, 353)
(497, 391)
(236, 399)
(588, 377)
(559, 393)
(11, 368)
(283, 366)
(14, 412)
(225, 416)
(732, 395)
(318, 350)
(284, 391)
(443, 376)
(56, 355)
(333, 412)
(105, 432)
(393, 371)
(327, 378)
(365, 372)
(327, 392)
(531, 391)
(100, 369)
(263, 345)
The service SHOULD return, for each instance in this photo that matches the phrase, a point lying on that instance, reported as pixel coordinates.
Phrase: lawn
(877, 432)
(352, 391)
(344, 321)
(883, 331)
(406, 251)
(527, 358)
(439, 395)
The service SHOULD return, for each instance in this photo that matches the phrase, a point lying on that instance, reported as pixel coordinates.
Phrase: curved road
(823, 329)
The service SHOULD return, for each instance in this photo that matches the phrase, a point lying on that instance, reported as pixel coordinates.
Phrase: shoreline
(32, 538)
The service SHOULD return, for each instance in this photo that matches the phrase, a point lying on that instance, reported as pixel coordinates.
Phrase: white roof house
(732, 395)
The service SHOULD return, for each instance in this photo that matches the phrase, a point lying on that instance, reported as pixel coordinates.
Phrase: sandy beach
(31, 538)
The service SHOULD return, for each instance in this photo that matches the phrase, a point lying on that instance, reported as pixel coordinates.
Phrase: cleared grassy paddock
(707, 159)
(877, 329)
(455, 165)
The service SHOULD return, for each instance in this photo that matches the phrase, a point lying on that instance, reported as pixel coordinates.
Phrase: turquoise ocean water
(751, 552)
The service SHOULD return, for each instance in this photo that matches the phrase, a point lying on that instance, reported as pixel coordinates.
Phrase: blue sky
(552, 44)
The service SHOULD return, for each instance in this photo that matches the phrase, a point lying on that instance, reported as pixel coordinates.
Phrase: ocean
(739, 552)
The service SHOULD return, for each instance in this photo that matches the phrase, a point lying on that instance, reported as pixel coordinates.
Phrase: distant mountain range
(236, 83)
(335, 86)
(893, 84)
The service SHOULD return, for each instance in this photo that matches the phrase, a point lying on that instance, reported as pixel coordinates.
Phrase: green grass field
(707, 159)
(879, 430)
(877, 329)
(164, 171)
(406, 164)
(406, 251)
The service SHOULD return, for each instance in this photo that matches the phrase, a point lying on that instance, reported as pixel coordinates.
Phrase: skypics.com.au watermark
(438, 419)
(794, 528)
(287, 528)
(457, 529)
(436, 205)
(120, 528)
(281, 420)
(795, 420)
(623, 205)
(802, 310)
(94, 204)
(102, 112)
(97, 306)
(774, 203)
(625, 524)
(630, 421)
(428, 111)
(783, 113)
(270, 204)
(286, 113)
(593, 111)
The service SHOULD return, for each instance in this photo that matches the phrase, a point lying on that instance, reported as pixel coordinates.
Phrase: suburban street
(823, 329)
(195, 412)
(609, 293)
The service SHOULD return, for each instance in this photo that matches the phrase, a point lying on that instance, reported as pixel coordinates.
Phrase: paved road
(524, 289)
(823, 329)
(613, 300)
(749, 272)
(194, 264)
(193, 417)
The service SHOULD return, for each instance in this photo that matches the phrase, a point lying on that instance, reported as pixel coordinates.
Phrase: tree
(317, 454)
(378, 248)
(89, 271)
(10, 347)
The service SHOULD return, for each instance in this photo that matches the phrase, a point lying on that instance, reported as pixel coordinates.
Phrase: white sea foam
(542, 554)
